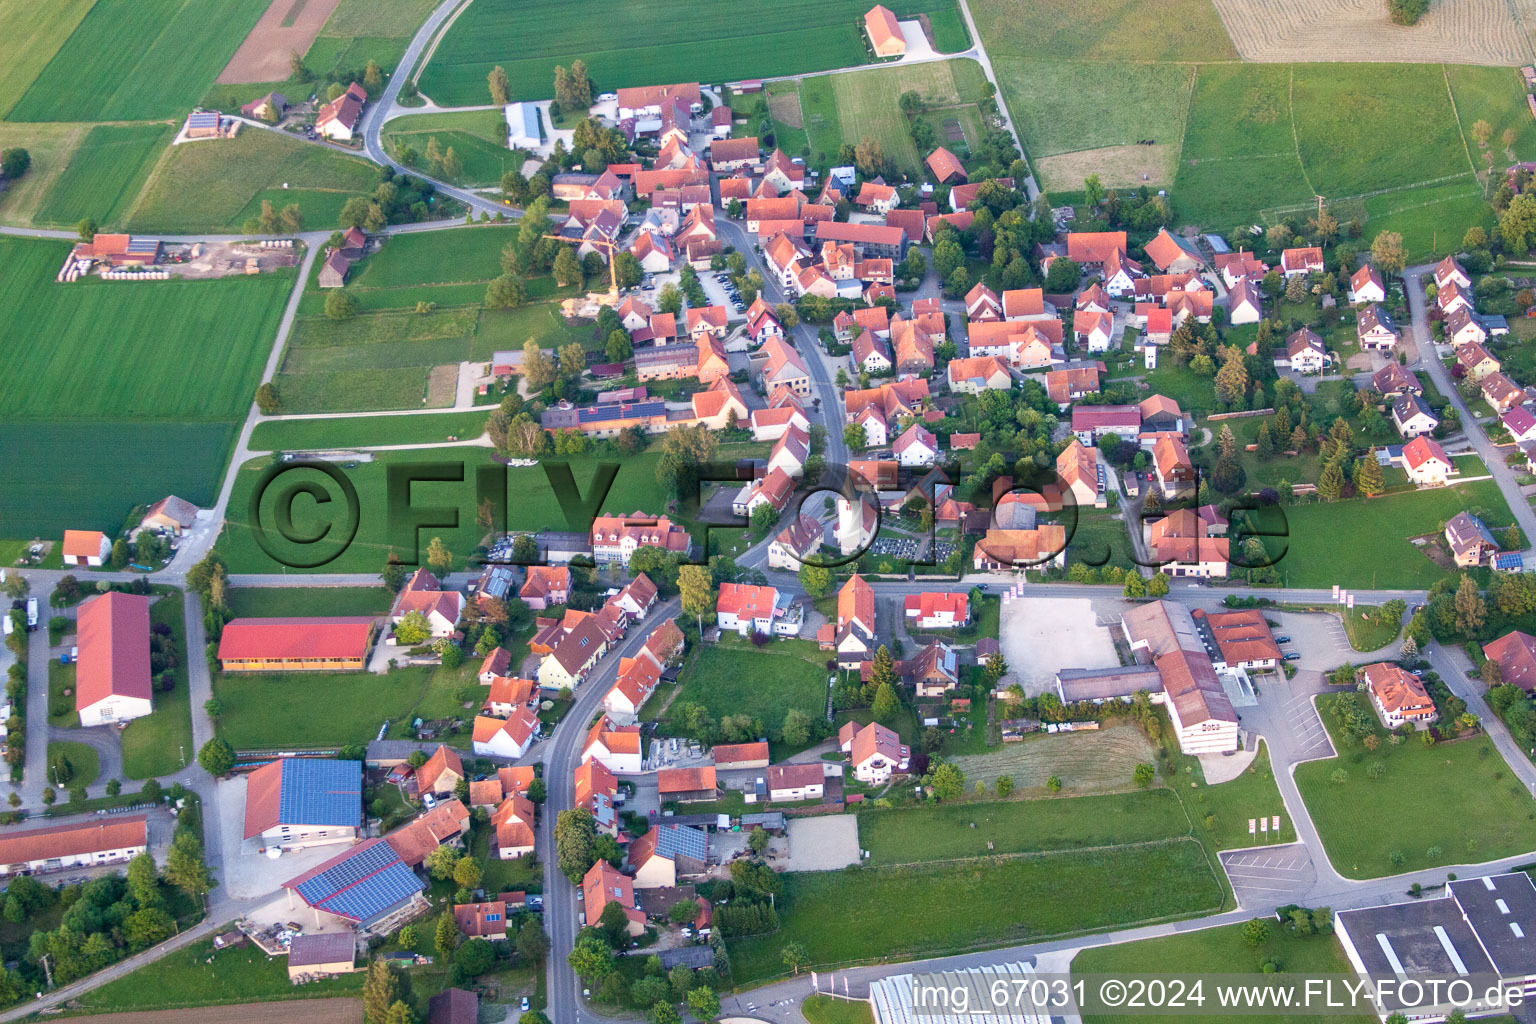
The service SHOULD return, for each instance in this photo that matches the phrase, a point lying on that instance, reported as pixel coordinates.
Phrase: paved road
(1413, 283)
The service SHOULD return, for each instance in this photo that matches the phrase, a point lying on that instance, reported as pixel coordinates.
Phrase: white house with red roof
(1426, 463)
(112, 679)
(86, 547)
(1367, 285)
(423, 593)
(1301, 261)
(616, 747)
(877, 198)
(937, 610)
(506, 737)
(1520, 424)
(1093, 330)
(637, 680)
(874, 751)
(1449, 271)
(916, 447)
(338, 119)
(745, 609)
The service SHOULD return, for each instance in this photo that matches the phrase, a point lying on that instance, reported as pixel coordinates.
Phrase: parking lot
(1260, 877)
(717, 289)
(1317, 636)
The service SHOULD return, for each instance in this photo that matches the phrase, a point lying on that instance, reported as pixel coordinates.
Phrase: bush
(1407, 12)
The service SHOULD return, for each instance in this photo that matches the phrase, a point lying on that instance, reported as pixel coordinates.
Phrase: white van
(31, 613)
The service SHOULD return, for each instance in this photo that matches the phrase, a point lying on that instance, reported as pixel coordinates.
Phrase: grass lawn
(150, 341)
(292, 435)
(217, 185)
(160, 743)
(828, 1010)
(130, 60)
(1368, 629)
(726, 41)
(91, 474)
(1142, 30)
(1183, 385)
(953, 831)
(1495, 95)
(279, 710)
(202, 976)
(34, 34)
(1363, 543)
(735, 678)
(104, 174)
(1251, 795)
(61, 695)
(1217, 951)
(1099, 539)
(83, 762)
(533, 505)
(839, 109)
(273, 602)
(904, 912)
(1064, 106)
(1085, 762)
(478, 138)
(1361, 821)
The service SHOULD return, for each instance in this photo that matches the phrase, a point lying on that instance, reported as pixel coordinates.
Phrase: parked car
(1293, 656)
(1282, 639)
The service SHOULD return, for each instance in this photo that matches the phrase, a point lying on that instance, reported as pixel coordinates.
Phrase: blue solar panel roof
(597, 413)
(1508, 560)
(316, 791)
(672, 840)
(368, 881)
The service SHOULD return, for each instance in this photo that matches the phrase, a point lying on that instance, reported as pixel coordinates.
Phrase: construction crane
(613, 252)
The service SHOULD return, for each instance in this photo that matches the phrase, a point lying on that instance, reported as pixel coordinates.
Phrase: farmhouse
(171, 514)
(1399, 696)
(112, 683)
(268, 108)
(441, 773)
(1079, 474)
(1173, 254)
(513, 821)
(1174, 472)
(945, 167)
(86, 547)
(299, 802)
(1020, 548)
(325, 644)
(414, 841)
(1181, 544)
(852, 634)
(668, 852)
(338, 119)
(82, 844)
(596, 790)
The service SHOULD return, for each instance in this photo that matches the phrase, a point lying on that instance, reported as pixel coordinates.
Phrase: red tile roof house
(604, 884)
(509, 737)
(791, 783)
(945, 167)
(546, 585)
(741, 755)
(744, 609)
(482, 920)
(1515, 653)
(618, 748)
(441, 773)
(326, 644)
(112, 682)
(497, 663)
(874, 751)
(884, 33)
(86, 547)
(937, 610)
(423, 593)
(338, 118)
(1426, 463)
(596, 789)
(852, 634)
(1398, 696)
(1308, 260)
(513, 821)
(79, 844)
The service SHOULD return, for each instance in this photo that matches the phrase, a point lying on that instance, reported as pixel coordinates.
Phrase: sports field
(217, 185)
(137, 60)
(725, 40)
(104, 174)
(838, 109)
(34, 32)
(130, 351)
(478, 138)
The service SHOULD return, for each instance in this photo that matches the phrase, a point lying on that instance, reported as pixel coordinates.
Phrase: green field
(905, 912)
(362, 30)
(50, 147)
(272, 602)
(1217, 951)
(477, 137)
(313, 709)
(138, 59)
(105, 174)
(217, 185)
(34, 33)
(291, 435)
(953, 831)
(149, 342)
(1361, 821)
(735, 678)
(202, 976)
(838, 109)
(532, 505)
(1063, 106)
(725, 41)
(91, 474)
(827, 1010)
(1363, 543)
(1140, 30)
(161, 743)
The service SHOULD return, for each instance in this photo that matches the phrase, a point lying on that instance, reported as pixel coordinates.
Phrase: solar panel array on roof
(1508, 560)
(316, 791)
(599, 413)
(142, 246)
(369, 880)
(679, 840)
(203, 119)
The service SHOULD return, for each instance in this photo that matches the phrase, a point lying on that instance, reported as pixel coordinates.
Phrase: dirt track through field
(263, 56)
(1453, 32)
(291, 1011)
